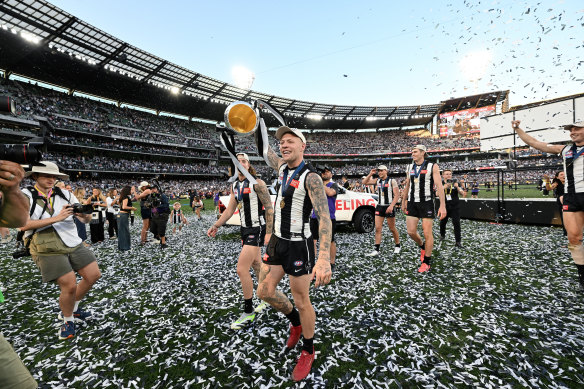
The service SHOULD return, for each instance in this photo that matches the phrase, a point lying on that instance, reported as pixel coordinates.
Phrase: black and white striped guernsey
(251, 212)
(385, 191)
(573, 168)
(292, 221)
(177, 216)
(422, 186)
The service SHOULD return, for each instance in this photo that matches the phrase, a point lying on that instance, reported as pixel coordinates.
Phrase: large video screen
(463, 122)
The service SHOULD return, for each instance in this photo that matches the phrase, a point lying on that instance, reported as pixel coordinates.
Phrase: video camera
(154, 200)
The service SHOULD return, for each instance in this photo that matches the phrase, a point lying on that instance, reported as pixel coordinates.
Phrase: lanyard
(48, 197)
(285, 182)
(418, 171)
(574, 148)
(240, 192)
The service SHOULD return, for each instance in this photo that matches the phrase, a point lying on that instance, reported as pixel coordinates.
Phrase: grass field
(503, 311)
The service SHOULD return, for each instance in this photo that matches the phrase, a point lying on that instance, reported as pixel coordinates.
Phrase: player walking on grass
(256, 231)
(291, 248)
(388, 193)
(418, 201)
(573, 205)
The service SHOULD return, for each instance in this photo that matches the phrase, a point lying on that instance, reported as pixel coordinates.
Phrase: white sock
(76, 307)
(68, 318)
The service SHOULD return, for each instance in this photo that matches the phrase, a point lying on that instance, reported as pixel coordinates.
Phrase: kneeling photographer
(160, 206)
(52, 239)
(13, 214)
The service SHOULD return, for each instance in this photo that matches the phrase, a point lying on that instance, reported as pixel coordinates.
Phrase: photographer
(13, 214)
(451, 189)
(57, 250)
(160, 213)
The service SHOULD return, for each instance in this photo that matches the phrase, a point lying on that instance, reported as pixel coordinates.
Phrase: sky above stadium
(362, 53)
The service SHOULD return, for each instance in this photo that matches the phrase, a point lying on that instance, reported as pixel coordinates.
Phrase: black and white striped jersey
(292, 208)
(251, 212)
(384, 190)
(573, 168)
(421, 182)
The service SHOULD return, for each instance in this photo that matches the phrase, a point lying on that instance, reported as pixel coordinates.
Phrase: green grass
(523, 191)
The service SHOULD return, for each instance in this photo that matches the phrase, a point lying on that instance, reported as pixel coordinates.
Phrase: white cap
(420, 147)
(47, 168)
(143, 184)
(244, 155)
(381, 167)
(284, 130)
(575, 124)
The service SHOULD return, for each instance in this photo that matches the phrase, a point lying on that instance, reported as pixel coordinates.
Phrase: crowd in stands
(100, 163)
(120, 145)
(82, 114)
(382, 142)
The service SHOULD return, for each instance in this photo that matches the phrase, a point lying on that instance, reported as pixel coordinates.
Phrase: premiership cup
(242, 118)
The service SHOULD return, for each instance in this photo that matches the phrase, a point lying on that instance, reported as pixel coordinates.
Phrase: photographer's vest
(421, 182)
(98, 215)
(66, 229)
(573, 168)
(385, 191)
(251, 213)
(292, 209)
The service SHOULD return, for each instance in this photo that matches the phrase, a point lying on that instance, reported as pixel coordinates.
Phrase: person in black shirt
(558, 188)
(160, 214)
(451, 191)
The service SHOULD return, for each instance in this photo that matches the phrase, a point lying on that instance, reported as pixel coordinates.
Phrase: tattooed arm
(264, 197)
(315, 189)
(275, 161)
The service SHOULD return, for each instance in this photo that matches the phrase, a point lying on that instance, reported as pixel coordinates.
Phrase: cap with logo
(284, 130)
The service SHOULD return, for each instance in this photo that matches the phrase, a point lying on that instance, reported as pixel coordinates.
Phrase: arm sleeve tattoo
(315, 189)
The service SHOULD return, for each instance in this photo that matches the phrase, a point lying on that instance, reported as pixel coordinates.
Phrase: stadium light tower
(242, 77)
(474, 65)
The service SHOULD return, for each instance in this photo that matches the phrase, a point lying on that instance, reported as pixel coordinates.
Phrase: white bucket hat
(46, 167)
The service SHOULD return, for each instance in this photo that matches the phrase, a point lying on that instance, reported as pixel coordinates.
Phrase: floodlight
(174, 90)
(242, 77)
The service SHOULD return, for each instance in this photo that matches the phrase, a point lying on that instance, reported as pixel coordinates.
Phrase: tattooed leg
(270, 276)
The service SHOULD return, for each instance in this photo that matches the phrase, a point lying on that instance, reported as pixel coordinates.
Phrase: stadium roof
(43, 42)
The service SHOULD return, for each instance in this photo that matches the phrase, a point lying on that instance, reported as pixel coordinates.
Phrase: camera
(153, 200)
(21, 154)
(23, 252)
(82, 208)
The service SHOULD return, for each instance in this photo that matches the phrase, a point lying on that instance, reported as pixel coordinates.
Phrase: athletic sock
(308, 345)
(377, 246)
(68, 318)
(294, 317)
(427, 260)
(397, 245)
(423, 246)
(248, 306)
(76, 307)
(580, 273)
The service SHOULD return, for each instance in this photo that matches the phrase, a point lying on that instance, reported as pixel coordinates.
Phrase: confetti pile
(504, 311)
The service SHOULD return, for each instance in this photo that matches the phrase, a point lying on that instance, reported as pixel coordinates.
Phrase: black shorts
(253, 236)
(381, 209)
(573, 202)
(295, 257)
(158, 224)
(146, 213)
(314, 228)
(421, 210)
